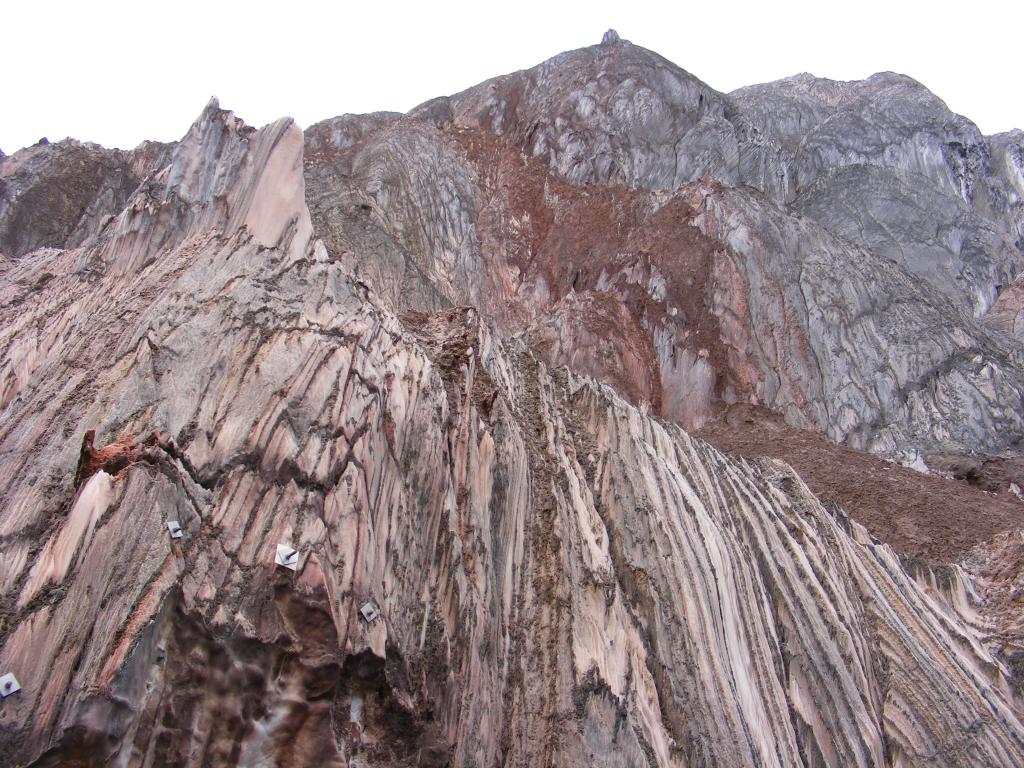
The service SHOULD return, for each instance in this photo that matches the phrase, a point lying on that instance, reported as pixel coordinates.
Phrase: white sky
(120, 72)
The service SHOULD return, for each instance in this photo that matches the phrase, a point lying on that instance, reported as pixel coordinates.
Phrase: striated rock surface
(884, 163)
(380, 345)
(620, 113)
(934, 236)
(59, 195)
(921, 514)
(889, 121)
(691, 300)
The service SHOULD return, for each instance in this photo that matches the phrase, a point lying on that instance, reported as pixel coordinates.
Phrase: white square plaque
(287, 557)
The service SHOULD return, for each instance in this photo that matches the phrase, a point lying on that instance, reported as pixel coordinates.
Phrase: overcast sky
(120, 72)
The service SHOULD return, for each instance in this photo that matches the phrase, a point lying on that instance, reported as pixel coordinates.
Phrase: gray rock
(621, 114)
(854, 344)
(891, 121)
(58, 195)
(935, 236)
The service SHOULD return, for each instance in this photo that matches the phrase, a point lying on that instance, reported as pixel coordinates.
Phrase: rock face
(380, 346)
(59, 195)
(853, 308)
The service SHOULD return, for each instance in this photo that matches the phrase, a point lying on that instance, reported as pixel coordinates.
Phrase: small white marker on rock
(369, 612)
(287, 557)
(9, 684)
(174, 528)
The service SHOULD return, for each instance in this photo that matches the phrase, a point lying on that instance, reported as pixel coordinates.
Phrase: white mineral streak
(562, 579)
(53, 561)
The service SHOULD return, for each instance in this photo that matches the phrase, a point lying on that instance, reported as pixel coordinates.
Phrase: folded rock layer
(347, 343)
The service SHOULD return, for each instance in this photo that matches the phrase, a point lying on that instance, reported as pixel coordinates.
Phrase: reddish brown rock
(120, 454)
(922, 516)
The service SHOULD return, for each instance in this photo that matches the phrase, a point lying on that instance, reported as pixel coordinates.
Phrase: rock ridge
(446, 359)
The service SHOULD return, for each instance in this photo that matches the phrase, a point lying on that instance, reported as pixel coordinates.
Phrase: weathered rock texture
(59, 195)
(606, 204)
(350, 342)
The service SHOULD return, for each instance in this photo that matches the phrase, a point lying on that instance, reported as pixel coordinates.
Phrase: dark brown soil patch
(923, 516)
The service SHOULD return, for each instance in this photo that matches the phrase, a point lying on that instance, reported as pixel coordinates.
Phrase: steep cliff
(360, 369)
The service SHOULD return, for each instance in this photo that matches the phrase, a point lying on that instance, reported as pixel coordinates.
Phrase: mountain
(557, 422)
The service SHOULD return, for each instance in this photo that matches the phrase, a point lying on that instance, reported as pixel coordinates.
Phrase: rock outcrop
(848, 310)
(360, 370)
(59, 195)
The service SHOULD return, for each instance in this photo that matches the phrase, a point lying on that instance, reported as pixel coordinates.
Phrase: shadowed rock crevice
(222, 700)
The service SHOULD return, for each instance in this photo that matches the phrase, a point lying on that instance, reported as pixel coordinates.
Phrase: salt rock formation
(341, 344)
(934, 236)
(59, 195)
(1007, 313)
(889, 121)
(527, 197)
(619, 113)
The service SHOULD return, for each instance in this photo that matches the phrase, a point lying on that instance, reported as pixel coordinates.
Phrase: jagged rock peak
(610, 37)
(214, 113)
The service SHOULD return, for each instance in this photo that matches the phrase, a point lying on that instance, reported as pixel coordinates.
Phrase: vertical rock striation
(341, 342)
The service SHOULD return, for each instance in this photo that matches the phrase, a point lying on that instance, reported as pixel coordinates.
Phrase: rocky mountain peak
(610, 37)
(393, 441)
